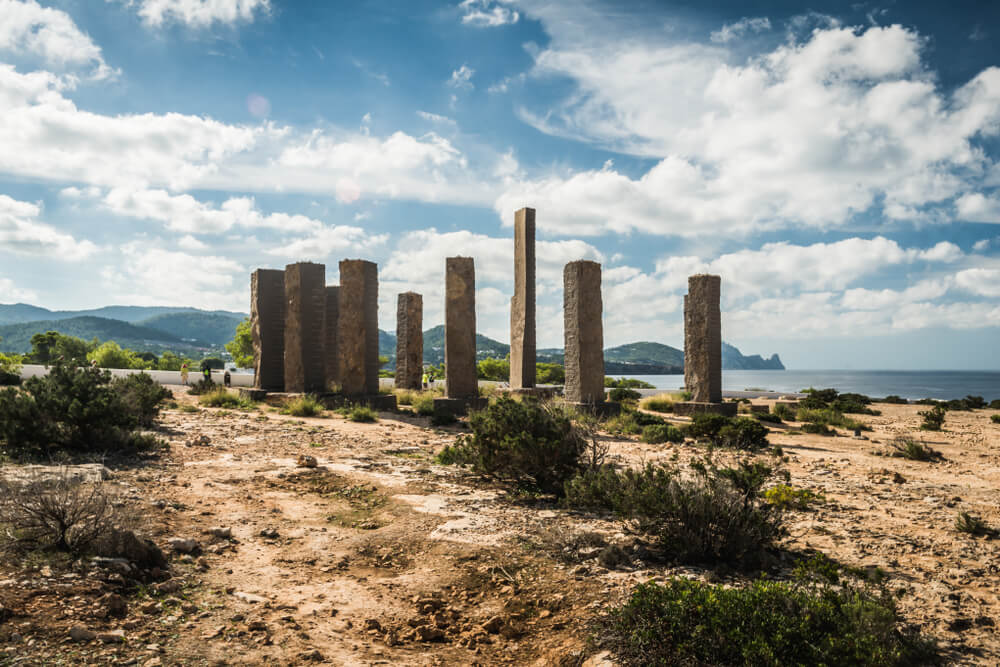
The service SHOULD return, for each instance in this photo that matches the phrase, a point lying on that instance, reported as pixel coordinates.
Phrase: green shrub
(363, 414)
(302, 406)
(10, 369)
(658, 403)
(220, 397)
(736, 433)
(995, 418)
(783, 411)
(767, 417)
(822, 399)
(628, 383)
(994, 404)
(707, 426)
(630, 421)
(493, 369)
(424, 405)
(787, 496)
(202, 386)
(974, 525)
(933, 418)
(659, 433)
(811, 620)
(712, 515)
(911, 449)
(895, 400)
(526, 441)
(817, 429)
(405, 396)
(829, 417)
(142, 396)
(70, 409)
(624, 394)
(546, 373)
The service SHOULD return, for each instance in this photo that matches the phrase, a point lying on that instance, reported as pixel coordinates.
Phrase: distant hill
(17, 337)
(22, 312)
(733, 360)
(434, 346)
(198, 327)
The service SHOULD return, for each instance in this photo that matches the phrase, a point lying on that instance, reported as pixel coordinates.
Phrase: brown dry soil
(381, 556)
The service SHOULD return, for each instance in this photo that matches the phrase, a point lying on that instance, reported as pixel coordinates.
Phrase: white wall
(163, 377)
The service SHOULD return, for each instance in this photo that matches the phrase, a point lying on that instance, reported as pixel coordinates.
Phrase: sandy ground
(380, 556)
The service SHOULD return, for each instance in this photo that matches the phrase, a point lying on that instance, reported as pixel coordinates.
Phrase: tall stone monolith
(703, 339)
(267, 328)
(460, 328)
(409, 341)
(330, 327)
(584, 332)
(305, 319)
(357, 327)
(522, 304)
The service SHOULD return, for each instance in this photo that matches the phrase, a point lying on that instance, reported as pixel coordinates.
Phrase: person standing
(226, 378)
(184, 373)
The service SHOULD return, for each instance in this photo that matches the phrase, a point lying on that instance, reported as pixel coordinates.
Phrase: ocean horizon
(939, 384)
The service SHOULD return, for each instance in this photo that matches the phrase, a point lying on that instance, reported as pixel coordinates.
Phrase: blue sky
(839, 167)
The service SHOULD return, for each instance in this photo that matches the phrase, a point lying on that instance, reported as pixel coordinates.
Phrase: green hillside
(17, 337)
(201, 328)
(22, 312)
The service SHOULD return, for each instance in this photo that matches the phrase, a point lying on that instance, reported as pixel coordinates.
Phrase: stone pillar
(522, 304)
(357, 327)
(460, 328)
(267, 326)
(305, 317)
(409, 341)
(332, 348)
(584, 332)
(703, 339)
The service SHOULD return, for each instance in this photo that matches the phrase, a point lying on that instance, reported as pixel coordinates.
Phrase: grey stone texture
(305, 323)
(688, 408)
(522, 304)
(409, 341)
(460, 328)
(357, 327)
(267, 327)
(331, 331)
(703, 339)
(584, 332)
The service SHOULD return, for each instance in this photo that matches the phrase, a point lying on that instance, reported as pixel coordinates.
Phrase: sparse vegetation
(829, 417)
(221, 397)
(423, 405)
(303, 406)
(202, 386)
(732, 432)
(783, 411)
(818, 618)
(895, 400)
(995, 418)
(788, 497)
(362, 414)
(767, 417)
(526, 442)
(913, 450)
(659, 403)
(659, 433)
(831, 399)
(933, 418)
(631, 422)
(974, 525)
(624, 395)
(627, 383)
(706, 515)
(817, 429)
(142, 396)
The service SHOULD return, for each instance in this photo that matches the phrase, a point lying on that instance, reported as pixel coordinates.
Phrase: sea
(908, 384)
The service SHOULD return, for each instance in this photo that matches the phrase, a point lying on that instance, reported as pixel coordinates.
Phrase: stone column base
(757, 409)
(253, 394)
(537, 392)
(382, 402)
(602, 409)
(459, 406)
(689, 408)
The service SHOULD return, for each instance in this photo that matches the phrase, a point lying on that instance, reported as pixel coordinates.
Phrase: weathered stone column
(703, 339)
(332, 348)
(357, 327)
(584, 332)
(522, 304)
(460, 328)
(305, 317)
(409, 341)
(267, 326)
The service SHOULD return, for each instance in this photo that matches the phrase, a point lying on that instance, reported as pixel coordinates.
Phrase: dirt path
(379, 556)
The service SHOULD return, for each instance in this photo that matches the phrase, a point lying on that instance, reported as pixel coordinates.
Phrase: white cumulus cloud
(198, 13)
(22, 233)
(50, 36)
(487, 13)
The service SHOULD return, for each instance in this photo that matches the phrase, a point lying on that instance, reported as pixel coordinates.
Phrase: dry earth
(380, 556)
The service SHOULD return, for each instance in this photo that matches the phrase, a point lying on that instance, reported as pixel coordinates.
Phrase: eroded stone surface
(584, 332)
(522, 304)
(460, 328)
(409, 341)
(703, 339)
(267, 327)
(305, 317)
(330, 328)
(358, 327)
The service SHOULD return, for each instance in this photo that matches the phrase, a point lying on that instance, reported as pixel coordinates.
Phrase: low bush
(788, 497)
(423, 405)
(527, 442)
(895, 400)
(913, 450)
(823, 399)
(974, 525)
(362, 413)
(830, 417)
(706, 515)
(658, 403)
(302, 406)
(406, 396)
(142, 396)
(631, 422)
(659, 433)
(994, 404)
(62, 513)
(220, 397)
(624, 394)
(628, 383)
(767, 417)
(783, 411)
(933, 418)
(817, 429)
(202, 386)
(732, 432)
(815, 619)
(995, 418)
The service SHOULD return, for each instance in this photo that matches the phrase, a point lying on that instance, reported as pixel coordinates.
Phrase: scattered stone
(112, 636)
(153, 662)
(373, 624)
(311, 656)
(250, 597)
(493, 625)
(426, 633)
(220, 532)
(78, 633)
(115, 605)
(170, 586)
(270, 533)
(183, 545)
(306, 461)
